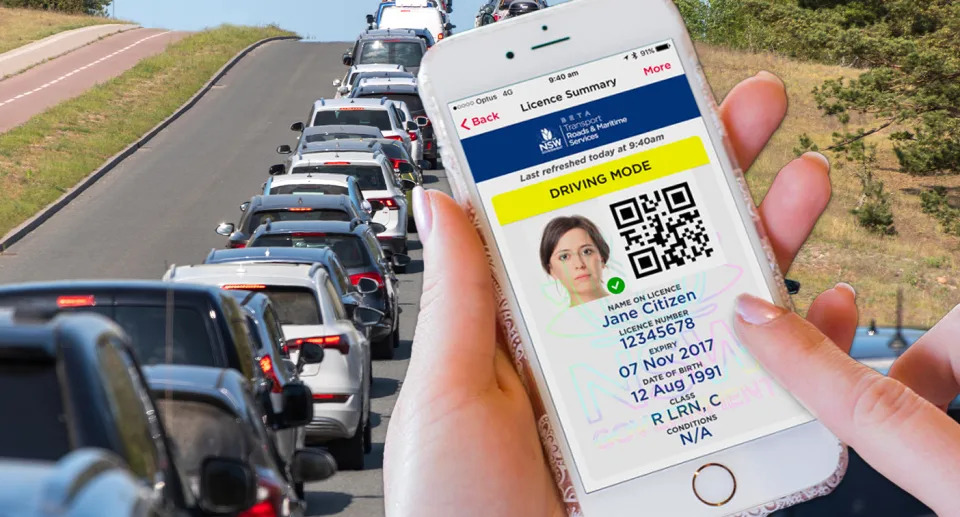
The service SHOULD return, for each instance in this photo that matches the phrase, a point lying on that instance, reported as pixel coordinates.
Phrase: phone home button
(714, 484)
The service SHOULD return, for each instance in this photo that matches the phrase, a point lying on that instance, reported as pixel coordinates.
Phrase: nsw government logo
(548, 143)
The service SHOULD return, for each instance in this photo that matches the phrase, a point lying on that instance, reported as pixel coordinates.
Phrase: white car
(382, 114)
(377, 182)
(401, 16)
(356, 71)
(311, 311)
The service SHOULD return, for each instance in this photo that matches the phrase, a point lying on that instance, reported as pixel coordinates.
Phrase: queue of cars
(225, 387)
(496, 10)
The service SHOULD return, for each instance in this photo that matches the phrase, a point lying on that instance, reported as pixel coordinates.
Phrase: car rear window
(369, 177)
(310, 189)
(189, 344)
(348, 248)
(294, 305)
(325, 214)
(413, 101)
(380, 52)
(38, 429)
(377, 118)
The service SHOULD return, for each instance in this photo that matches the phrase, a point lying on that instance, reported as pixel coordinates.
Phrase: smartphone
(586, 144)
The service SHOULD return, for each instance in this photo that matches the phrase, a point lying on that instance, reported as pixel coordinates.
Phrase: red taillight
(413, 136)
(261, 509)
(330, 398)
(398, 138)
(388, 202)
(86, 300)
(336, 163)
(373, 275)
(439, 36)
(236, 245)
(332, 342)
(266, 364)
(243, 287)
(300, 209)
(429, 145)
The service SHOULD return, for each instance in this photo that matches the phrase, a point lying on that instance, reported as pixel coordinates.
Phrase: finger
(835, 314)
(896, 431)
(455, 333)
(931, 367)
(752, 112)
(793, 204)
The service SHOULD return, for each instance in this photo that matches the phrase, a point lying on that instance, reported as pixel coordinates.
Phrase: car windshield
(348, 248)
(189, 344)
(294, 305)
(200, 430)
(369, 177)
(327, 137)
(412, 100)
(40, 431)
(380, 52)
(318, 214)
(310, 189)
(373, 117)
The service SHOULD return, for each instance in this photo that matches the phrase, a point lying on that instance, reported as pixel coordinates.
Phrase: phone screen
(625, 250)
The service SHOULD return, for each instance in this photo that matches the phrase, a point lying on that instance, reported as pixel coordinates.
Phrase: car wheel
(433, 164)
(383, 348)
(395, 337)
(368, 437)
(300, 491)
(349, 451)
(411, 224)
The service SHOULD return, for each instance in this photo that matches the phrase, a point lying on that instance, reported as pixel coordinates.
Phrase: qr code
(662, 230)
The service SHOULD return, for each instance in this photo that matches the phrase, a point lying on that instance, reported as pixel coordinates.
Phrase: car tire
(368, 437)
(395, 337)
(383, 348)
(349, 451)
(301, 492)
(433, 164)
(411, 225)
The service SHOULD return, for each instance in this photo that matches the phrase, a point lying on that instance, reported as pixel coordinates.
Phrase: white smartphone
(587, 146)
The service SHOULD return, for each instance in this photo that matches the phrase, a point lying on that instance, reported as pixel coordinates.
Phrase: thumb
(456, 328)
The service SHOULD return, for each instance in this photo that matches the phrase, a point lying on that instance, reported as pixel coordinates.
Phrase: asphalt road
(161, 207)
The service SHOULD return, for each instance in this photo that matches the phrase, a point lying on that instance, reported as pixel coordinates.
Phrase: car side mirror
(297, 406)
(343, 90)
(311, 465)
(337, 82)
(367, 285)
(366, 316)
(424, 165)
(226, 229)
(347, 59)
(378, 228)
(400, 260)
(375, 205)
(421, 121)
(311, 353)
(244, 206)
(366, 206)
(407, 185)
(370, 18)
(277, 169)
(284, 149)
(297, 126)
(227, 485)
(412, 126)
(449, 26)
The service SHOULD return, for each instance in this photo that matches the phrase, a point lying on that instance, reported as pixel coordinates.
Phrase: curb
(31, 224)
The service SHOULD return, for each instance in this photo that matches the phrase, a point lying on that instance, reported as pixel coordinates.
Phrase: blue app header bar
(580, 128)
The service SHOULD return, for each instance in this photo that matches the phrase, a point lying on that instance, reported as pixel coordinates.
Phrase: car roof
(27, 336)
(389, 34)
(377, 88)
(322, 130)
(324, 156)
(117, 286)
(346, 145)
(379, 67)
(279, 201)
(237, 274)
(312, 178)
(223, 385)
(227, 256)
(332, 104)
(339, 227)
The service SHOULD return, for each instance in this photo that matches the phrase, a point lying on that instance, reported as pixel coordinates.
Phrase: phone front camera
(509, 55)
(544, 27)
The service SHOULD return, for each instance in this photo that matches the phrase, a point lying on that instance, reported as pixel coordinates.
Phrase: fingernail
(763, 74)
(422, 213)
(755, 311)
(847, 287)
(813, 155)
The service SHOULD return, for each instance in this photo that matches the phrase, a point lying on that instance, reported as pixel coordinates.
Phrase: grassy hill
(21, 26)
(920, 258)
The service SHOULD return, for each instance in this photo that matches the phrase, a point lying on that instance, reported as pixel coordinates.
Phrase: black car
(72, 381)
(360, 253)
(287, 207)
(520, 8)
(352, 296)
(212, 411)
(409, 93)
(84, 482)
(373, 47)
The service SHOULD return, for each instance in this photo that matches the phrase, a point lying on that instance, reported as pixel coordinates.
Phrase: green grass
(19, 27)
(50, 153)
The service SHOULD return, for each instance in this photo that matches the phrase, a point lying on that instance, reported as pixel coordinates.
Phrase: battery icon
(661, 48)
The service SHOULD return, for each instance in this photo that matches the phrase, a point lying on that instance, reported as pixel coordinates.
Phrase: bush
(97, 7)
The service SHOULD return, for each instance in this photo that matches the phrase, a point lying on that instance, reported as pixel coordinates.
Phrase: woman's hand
(895, 423)
(462, 439)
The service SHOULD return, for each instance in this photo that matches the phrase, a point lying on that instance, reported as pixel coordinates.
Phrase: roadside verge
(32, 54)
(46, 163)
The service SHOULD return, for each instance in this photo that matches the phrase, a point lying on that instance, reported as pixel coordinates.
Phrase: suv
(357, 248)
(84, 388)
(407, 92)
(406, 14)
(379, 48)
(352, 296)
(310, 312)
(357, 72)
(322, 184)
(314, 134)
(262, 209)
(382, 114)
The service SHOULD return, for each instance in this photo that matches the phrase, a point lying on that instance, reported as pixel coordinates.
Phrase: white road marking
(84, 67)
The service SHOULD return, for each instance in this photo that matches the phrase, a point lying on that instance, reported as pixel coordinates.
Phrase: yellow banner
(599, 180)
